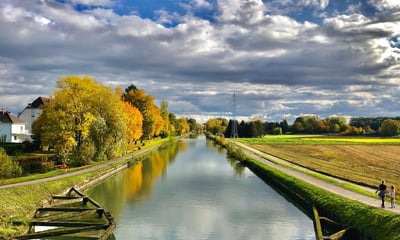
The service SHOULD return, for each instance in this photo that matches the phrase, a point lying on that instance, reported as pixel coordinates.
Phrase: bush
(36, 164)
(12, 149)
(8, 168)
(277, 131)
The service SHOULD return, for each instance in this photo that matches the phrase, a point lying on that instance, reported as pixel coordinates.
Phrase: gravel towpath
(303, 174)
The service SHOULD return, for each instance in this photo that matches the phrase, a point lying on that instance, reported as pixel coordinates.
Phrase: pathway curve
(84, 170)
(301, 173)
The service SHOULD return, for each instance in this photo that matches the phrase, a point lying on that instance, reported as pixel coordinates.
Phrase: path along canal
(193, 191)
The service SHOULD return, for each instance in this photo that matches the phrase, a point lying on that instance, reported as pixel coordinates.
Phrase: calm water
(193, 191)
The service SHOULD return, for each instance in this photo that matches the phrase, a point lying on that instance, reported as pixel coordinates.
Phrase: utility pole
(234, 130)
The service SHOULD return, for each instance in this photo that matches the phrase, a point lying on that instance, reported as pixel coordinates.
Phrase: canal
(191, 190)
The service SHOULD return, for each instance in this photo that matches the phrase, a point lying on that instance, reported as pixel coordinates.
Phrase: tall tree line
(86, 121)
(308, 124)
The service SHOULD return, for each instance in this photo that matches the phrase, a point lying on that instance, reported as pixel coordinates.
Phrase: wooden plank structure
(318, 226)
(71, 215)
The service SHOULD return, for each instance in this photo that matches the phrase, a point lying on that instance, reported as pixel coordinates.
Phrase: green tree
(277, 131)
(297, 127)
(167, 128)
(389, 127)
(284, 125)
(336, 122)
(174, 124)
(257, 128)
(193, 124)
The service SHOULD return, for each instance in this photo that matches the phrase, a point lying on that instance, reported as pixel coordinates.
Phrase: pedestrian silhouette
(392, 195)
(382, 192)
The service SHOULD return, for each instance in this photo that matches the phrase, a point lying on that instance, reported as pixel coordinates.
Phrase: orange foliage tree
(134, 121)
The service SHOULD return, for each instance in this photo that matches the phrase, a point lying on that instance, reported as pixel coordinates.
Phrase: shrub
(277, 131)
(8, 168)
(36, 164)
(12, 149)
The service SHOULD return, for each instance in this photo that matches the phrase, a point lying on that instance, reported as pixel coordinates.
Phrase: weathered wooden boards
(73, 213)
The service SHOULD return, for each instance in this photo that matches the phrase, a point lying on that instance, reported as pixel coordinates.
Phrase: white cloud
(241, 12)
(320, 4)
(201, 4)
(386, 5)
(196, 64)
(93, 2)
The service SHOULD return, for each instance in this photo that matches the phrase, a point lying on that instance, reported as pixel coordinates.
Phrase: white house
(32, 112)
(12, 129)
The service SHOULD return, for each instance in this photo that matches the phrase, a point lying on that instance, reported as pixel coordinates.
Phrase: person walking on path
(382, 192)
(392, 195)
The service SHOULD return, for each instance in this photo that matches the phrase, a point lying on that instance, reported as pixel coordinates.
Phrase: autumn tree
(183, 126)
(152, 121)
(217, 125)
(336, 124)
(83, 118)
(134, 121)
(158, 121)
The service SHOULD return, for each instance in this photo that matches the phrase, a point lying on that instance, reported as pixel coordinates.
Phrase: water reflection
(189, 191)
(136, 183)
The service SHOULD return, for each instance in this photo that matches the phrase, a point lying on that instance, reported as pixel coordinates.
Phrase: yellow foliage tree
(183, 126)
(85, 118)
(158, 121)
(134, 120)
(145, 103)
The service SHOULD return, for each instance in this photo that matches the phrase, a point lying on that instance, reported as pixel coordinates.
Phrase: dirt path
(85, 170)
(301, 173)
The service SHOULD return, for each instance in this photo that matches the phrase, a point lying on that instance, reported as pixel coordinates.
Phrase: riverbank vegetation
(374, 224)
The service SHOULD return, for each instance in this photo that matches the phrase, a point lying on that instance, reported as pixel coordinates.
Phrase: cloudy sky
(281, 58)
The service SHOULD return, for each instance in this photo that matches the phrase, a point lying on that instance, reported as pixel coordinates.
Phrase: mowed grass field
(362, 160)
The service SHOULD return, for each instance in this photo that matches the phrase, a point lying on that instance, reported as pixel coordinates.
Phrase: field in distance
(364, 160)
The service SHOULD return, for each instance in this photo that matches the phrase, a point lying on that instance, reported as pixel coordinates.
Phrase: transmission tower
(234, 130)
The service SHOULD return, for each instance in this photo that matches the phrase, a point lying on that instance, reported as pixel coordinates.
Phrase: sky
(271, 59)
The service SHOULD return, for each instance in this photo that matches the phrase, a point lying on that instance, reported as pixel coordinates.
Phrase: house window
(15, 137)
(22, 128)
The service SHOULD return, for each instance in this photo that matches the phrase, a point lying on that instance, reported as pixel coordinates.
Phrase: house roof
(7, 117)
(39, 102)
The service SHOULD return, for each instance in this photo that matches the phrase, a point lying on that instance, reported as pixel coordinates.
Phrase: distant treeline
(381, 126)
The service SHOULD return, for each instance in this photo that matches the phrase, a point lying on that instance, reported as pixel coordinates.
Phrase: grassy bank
(371, 223)
(17, 204)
